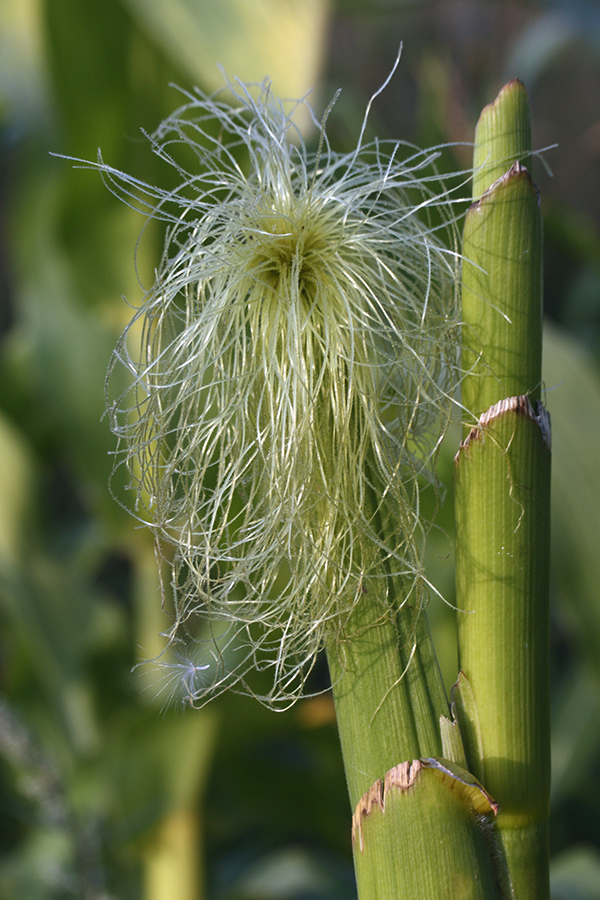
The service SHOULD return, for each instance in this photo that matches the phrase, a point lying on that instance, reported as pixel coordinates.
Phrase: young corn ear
(295, 372)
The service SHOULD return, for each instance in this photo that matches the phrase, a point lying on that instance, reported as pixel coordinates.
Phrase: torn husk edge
(404, 776)
(425, 831)
(521, 405)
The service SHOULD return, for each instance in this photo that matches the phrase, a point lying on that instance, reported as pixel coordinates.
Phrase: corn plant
(292, 373)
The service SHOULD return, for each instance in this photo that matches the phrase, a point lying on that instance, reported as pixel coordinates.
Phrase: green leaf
(573, 385)
(251, 41)
(575, 874)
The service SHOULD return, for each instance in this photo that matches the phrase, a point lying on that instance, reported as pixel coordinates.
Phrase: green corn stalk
(502, 498)
(419, 799)
(379, 728)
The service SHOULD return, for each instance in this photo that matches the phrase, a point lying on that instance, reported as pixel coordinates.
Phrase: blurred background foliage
(102, 795)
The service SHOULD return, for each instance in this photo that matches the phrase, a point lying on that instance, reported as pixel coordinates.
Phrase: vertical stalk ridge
(388, 695)
(387, 686)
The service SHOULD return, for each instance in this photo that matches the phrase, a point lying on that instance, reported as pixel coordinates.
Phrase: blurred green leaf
(573, 398)
(156, 764)
(564, 25)
(288, 874)
(24, 95)
(575, 732)
(575, 875)
(41, 870)
(279, 39)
